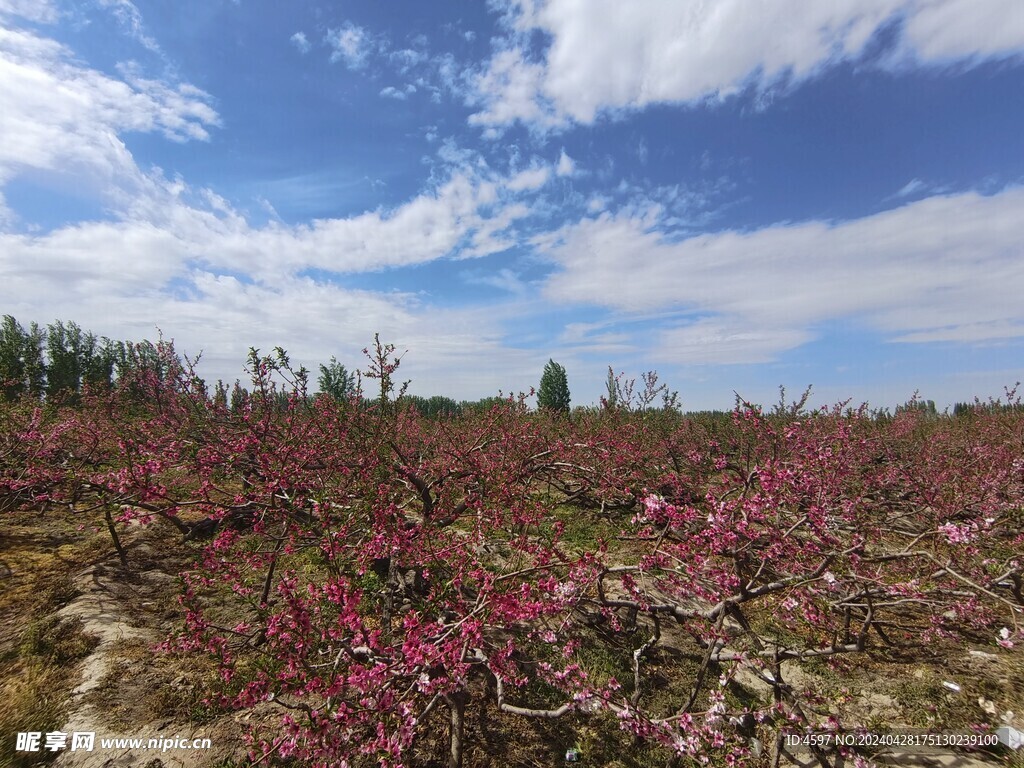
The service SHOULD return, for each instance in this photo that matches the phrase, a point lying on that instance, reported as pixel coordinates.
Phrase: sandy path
(112, 608)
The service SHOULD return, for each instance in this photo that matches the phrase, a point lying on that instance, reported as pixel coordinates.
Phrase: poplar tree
(554, 388)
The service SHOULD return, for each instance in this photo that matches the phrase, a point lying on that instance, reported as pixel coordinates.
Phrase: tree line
(58, 361)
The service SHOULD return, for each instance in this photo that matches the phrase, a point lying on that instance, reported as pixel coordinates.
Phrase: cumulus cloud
(183, 259)
(606, 55)
(959, 30)
(95, 276)
(64, 118)
(947, 268)
(510, 89)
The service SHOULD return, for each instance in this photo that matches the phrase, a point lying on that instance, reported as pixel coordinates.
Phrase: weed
(56, 641)
(36, 683)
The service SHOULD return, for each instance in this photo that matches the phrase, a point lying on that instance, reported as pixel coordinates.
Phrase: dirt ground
(63, 586)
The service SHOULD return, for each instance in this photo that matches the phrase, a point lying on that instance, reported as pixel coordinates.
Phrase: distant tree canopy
(926, 407)
(56, 363)
(336, 381)
(482, 405)
(434, 406)
(22, 367)
(611, 398)
(962, 410)
(554, 389)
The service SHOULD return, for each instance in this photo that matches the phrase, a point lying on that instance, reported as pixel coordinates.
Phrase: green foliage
(554, 389)
(979, 407)
(917, 405)
(220, 395)
(239, 397)
(66, 348)
(133, 358)
(336, 381)
(435, 406)
(483, 405)
(57, 362)
(22, 370)
(611, 400)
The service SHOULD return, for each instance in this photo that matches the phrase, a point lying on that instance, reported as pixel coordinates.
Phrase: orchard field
(328, 582)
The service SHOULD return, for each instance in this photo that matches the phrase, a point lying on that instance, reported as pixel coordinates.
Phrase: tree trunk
(457, 705)
(117, 541)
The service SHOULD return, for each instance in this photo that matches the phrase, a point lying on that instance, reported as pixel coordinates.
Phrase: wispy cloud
(504, 279)
(919, 188)
(351, 44)
(398, 93)
(300, 42)
(130, 19)
(943, 268)
(61, 115)
(566, 165)
(43, 11)
(407, 59)
(912, 187)
(531, 178)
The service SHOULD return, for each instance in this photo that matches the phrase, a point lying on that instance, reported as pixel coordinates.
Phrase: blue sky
(738, 195)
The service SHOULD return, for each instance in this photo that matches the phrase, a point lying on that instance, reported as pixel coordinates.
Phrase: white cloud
(61, 116)
(944, 268)
(352, 44)
(973, 30)
(95, 276)
(184, 260)
(725, 342)
(992, 331)
(509, 90)
(531, 178)
(65, 119)
(300, 41)
(43, 11)
(566, 165)
(607, 55)
(406, 59)
(130, 19)
(398, 93)
(910, 188)
(503, 279)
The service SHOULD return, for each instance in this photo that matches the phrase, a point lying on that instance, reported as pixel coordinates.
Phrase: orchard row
(380, 575)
